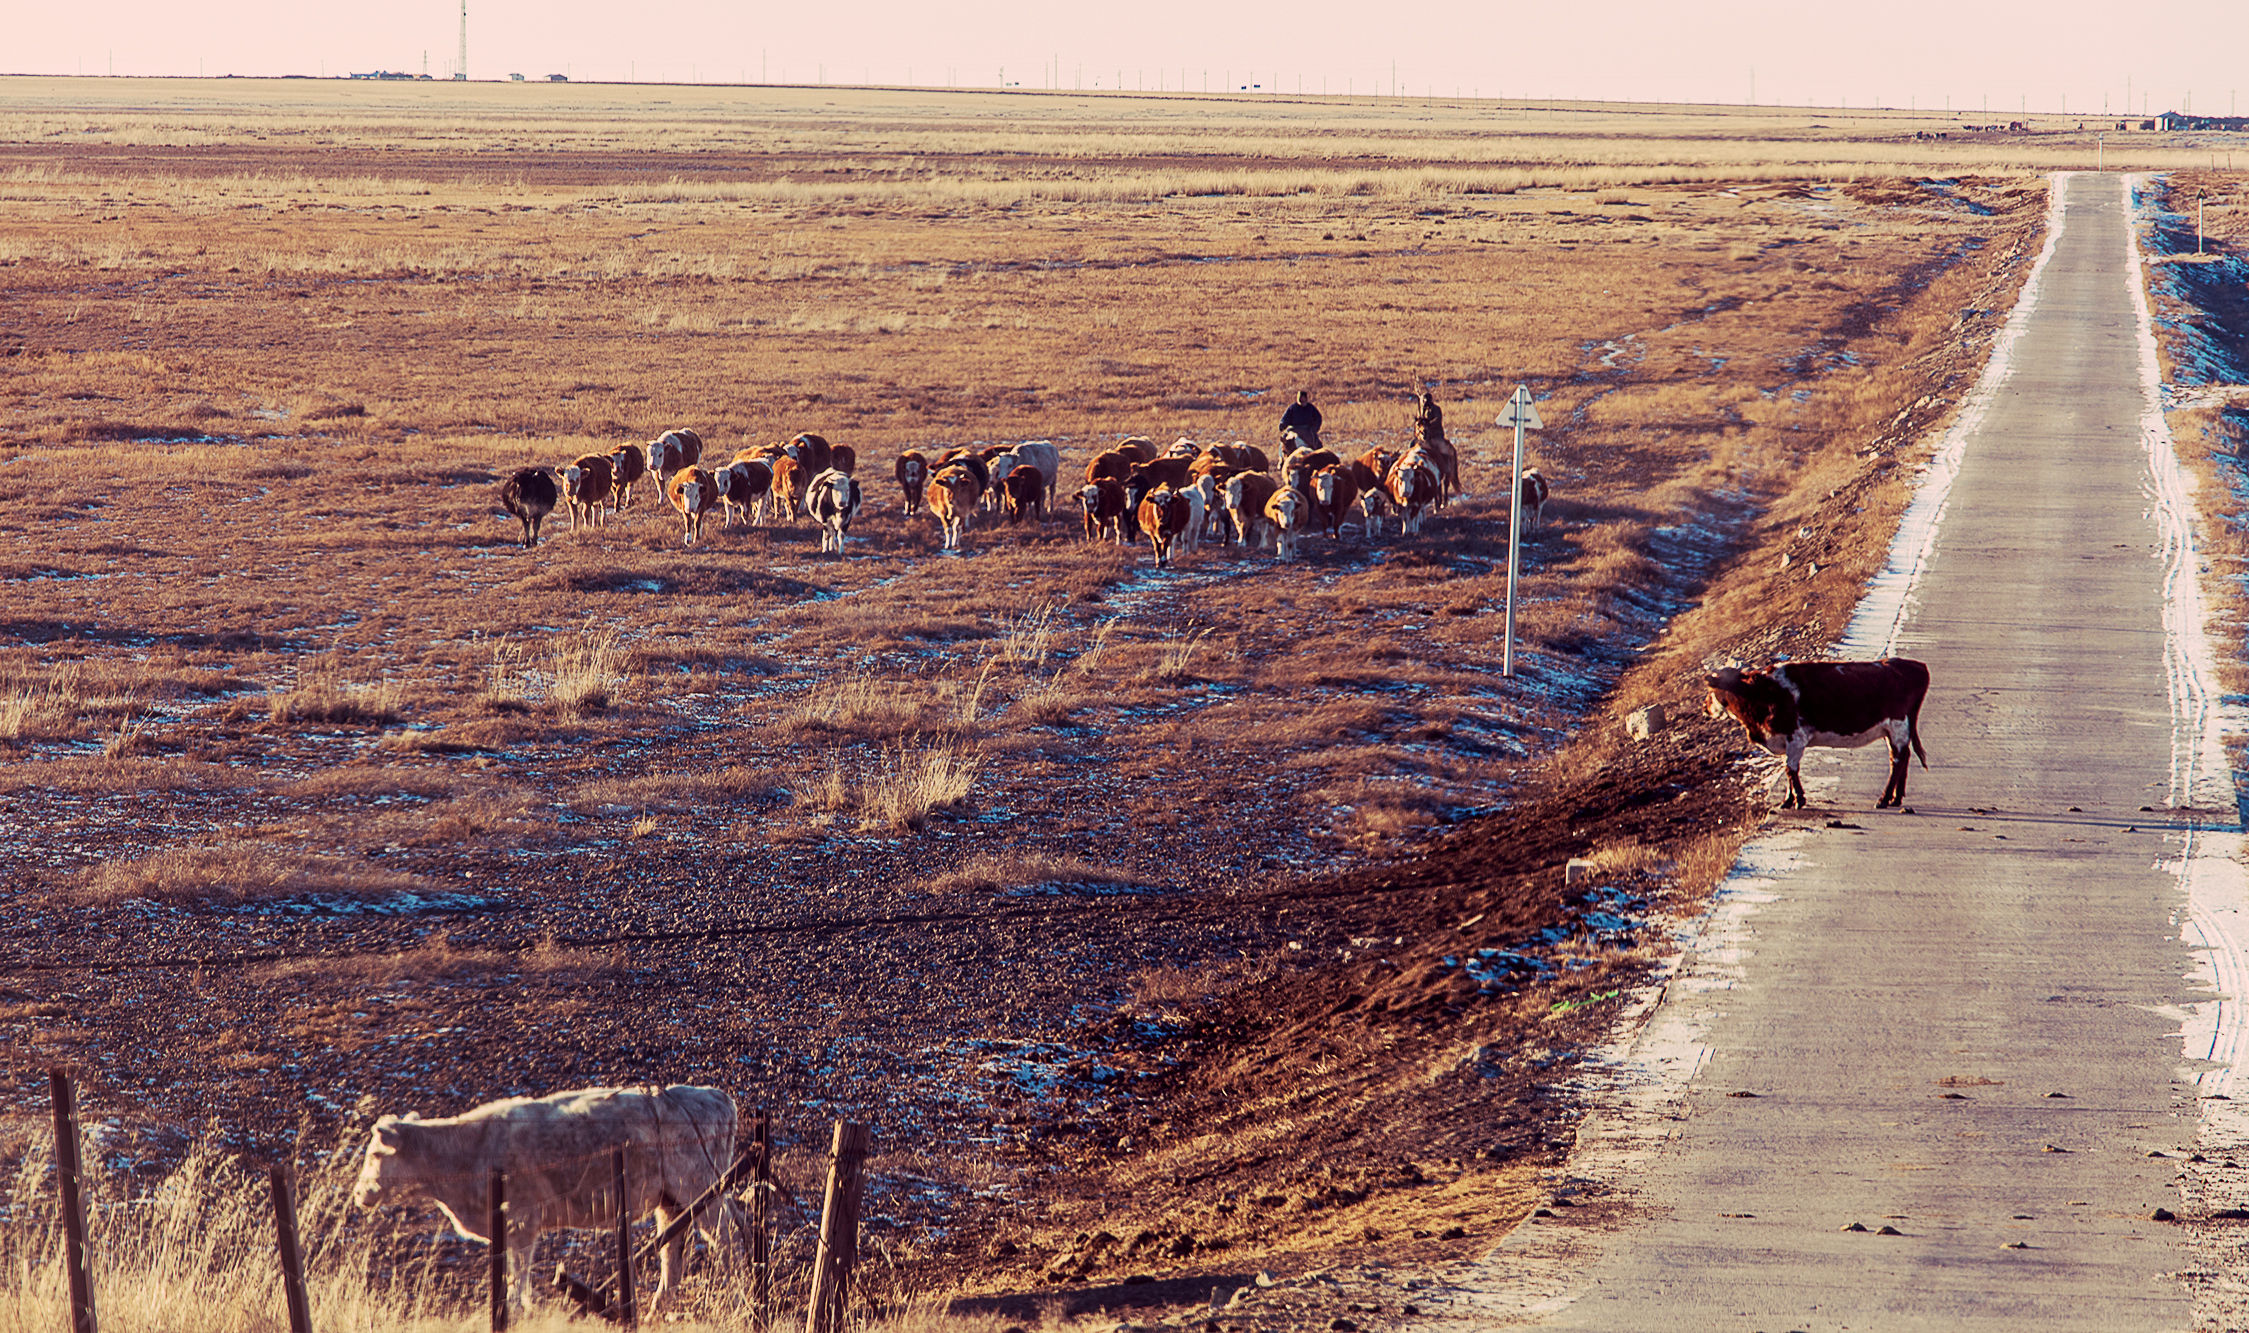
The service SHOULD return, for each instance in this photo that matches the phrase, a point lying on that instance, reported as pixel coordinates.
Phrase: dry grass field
(1171, 906)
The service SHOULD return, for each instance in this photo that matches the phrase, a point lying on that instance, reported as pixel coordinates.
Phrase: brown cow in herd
(1164, 514)
(912, 472)
(530, 496)
(1797, 705)
(1103, 503)
(953, 494)
(585, 484)
(627, 465)
(694, 493)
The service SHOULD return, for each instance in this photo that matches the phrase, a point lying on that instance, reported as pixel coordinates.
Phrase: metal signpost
(1522, 415)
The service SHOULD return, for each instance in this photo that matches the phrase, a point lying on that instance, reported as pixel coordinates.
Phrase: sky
(1970, 55)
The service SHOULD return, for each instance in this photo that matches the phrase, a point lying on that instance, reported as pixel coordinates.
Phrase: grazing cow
(1534, 496)
(789, 482)
(953, 494)
(530, 496)
(1108, 465)
(811, 451)
(1285, 511)
(742, 487)
(1246, 495)
(1333, 492)
(912, 471)
(1103, 503)
(671, 451)
(833, 501)
(557, 1153)
(1797, 705)
(1023, 492)
(1163, 516)
(1139, 448)
(1367, 473)
(1414, 484)
(627, 465)
(694, 493)
(843, 458)
(585, 484)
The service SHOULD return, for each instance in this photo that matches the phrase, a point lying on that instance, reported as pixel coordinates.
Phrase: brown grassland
(1165, 925)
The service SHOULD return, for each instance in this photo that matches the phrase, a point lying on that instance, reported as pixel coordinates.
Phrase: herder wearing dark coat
(1303, 418)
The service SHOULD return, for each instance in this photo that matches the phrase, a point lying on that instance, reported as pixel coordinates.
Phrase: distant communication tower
(461, 70)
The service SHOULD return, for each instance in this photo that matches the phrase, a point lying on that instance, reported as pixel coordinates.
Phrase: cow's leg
(523, 1244)
(668, 1262)
(1796, 746)
(1894, 794)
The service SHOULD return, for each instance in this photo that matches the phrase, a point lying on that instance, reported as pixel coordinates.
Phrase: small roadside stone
(2162, 1215)
(1855, 1226)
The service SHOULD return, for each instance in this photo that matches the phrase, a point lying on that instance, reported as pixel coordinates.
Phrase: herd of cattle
(1176, 498)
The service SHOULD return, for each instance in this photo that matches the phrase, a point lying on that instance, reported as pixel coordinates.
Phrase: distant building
(2175, 120)
(515, 78)
(558, 78)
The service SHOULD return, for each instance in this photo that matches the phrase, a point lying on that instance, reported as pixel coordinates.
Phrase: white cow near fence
(557, 1153)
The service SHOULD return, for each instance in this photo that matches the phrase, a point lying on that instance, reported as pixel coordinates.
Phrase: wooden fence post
(839, 1231)
(627, 1313)
(496, 1226)
(292, 1257)
(68, 1171)
(761, 1225)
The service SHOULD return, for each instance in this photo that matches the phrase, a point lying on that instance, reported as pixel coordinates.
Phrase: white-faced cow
(743, 485)
(912, 472)
(671, 451)
(1103, 503)
(1333, 493)
(953, 494)
(833, 501)
(585, 484)
(1285, 512)
(1414, 483)
(530, 496)
(694, 493)
(1246, 494)
(558, 1156)
(627, 465)
(1797, 705)
(1164, 514)
(1367, 473)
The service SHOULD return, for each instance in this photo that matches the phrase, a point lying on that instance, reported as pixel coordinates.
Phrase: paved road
(1954, 1023)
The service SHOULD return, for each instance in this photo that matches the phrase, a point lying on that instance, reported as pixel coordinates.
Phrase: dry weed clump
(588, 672)
(1012, 872)
(898, 789)
(240, 872)
(321, 694)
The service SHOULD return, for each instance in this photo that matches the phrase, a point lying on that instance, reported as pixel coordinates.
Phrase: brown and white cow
(530, 496)
(694, 492)
(1414, 483)
(557, 1153)
(975, 464)
(585, 484)
(1164, 514)
(1170, 473)
(1333, 494)
(1367, 473)
(953, 494)
(1797, 705)
(1246, 494)
(1103, 503)
(1139, 448)
(833, 501)
(742, 487)
(627, 465)
(1285, 512)
(1534, 497)
(671, 451)
(912, 472)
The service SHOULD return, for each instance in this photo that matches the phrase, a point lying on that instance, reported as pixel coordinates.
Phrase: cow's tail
(1913, 717)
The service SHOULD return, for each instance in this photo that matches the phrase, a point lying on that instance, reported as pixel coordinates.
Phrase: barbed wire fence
(593, 1187)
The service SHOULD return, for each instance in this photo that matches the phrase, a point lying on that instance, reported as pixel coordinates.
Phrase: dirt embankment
(1390, 1104)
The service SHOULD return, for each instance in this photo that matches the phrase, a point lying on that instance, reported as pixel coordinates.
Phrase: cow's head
(1323, 486)
(387, 1174)
(1283, 506)
(1750, 698)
